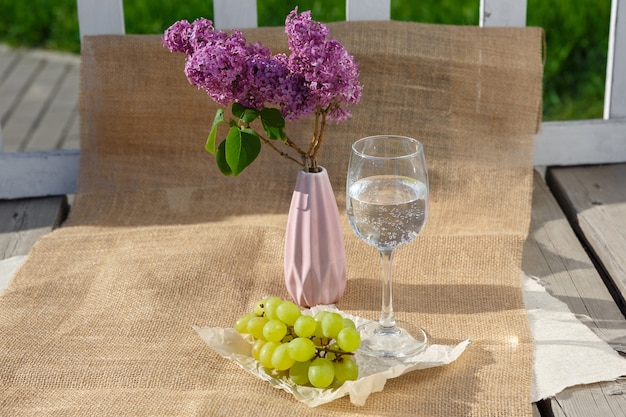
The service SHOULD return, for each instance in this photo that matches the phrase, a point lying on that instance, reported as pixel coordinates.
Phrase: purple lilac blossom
(330, 71)
(262, 78)
(319, 74)
(217, 67)
(204, 35)
(176, 37)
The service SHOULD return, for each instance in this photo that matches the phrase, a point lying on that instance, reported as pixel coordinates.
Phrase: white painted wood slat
(502, 13)
(368, 10)
(615, 90)
(100, 17)
(580, 142)
(38, 174)
(240, 14)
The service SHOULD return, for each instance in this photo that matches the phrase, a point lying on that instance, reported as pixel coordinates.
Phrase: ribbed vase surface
(315, 256)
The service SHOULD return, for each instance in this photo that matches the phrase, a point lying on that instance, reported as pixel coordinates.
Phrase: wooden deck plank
(18, 129)
(72, 138)
(39, 93)
(59, 114)
(13, 87)
(605, 399)
(594, 199)
(23, 221)
(9, 59)
(554, 254)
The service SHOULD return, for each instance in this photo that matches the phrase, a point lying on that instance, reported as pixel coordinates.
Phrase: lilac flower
(291, 93)
(262, 75)
(216, 66)
(204, 35)
(319, 77)
(330, 71)
(176, 37)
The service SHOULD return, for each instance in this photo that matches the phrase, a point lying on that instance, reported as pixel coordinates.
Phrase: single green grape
(346, 369)
(321, 373)
(288, 312)
(301, 349)
(281, 360)
(255, 326)
(259, 307)
(348, 323)
(319, 316)
(299, 372)
(305, 326)
(266, 353)
(271, 303)
(318, 329)
(349, 339)
(241, 324)
(274, 330)
(332, 323)
(256, 348)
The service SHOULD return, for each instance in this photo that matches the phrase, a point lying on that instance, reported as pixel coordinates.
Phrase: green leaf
(274, 132)
(210, 141)
(245, 114)
(272, 117)
(220, 158)
(242, 148)
(273, 123)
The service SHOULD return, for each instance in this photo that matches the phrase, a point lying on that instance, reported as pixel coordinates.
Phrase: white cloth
(567, 352)
(8, 268)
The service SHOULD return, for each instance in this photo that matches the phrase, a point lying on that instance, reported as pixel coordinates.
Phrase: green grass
(576, 34)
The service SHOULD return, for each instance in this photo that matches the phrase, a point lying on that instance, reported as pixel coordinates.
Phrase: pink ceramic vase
(315, 255)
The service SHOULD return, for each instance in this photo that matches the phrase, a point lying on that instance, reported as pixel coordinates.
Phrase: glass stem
(387, 319)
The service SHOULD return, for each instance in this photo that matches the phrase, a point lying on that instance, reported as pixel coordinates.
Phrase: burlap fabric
(98, 320)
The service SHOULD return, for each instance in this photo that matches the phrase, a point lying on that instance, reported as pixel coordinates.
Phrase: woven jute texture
(99, 319)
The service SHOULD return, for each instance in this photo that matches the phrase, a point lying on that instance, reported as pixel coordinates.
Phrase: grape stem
(335, 351)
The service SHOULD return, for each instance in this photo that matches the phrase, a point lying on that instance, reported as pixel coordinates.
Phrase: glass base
(400, 341)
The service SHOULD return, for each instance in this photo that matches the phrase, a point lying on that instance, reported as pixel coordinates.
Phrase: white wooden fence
(558, 143)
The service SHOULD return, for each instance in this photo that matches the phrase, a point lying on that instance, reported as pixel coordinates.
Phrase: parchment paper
(373, 372)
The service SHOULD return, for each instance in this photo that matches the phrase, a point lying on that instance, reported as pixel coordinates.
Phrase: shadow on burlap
(98, 320)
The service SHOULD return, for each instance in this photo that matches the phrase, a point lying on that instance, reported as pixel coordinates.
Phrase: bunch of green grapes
(311, 350)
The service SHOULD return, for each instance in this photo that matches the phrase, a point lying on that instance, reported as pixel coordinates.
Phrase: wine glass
(387, 204)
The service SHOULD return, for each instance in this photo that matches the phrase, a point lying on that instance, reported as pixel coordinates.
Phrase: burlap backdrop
(98, 320)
